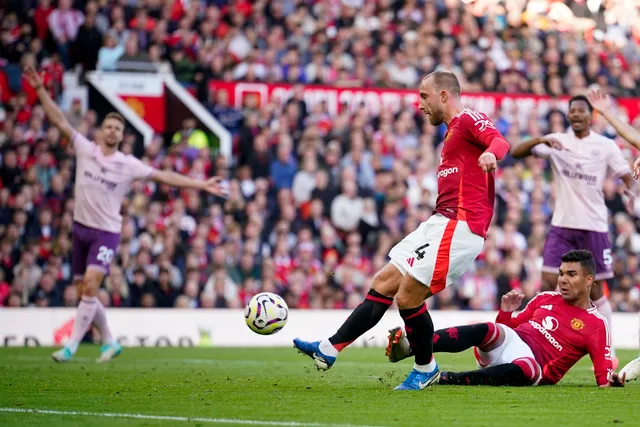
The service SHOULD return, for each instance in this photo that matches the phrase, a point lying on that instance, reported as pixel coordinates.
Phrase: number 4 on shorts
(420, 251)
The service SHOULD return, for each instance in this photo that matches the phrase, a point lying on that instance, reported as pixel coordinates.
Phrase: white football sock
(426, 368)
(103, 326)
(604, 307)
(84, 318)
(328, 349)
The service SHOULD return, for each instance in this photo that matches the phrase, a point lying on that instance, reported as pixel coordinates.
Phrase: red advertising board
(144, 93)
(374, 99)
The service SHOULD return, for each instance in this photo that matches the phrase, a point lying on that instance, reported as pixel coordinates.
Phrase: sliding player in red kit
(536, 346)
(442, 248)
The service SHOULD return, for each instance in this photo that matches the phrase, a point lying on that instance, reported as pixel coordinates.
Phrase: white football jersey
(579, 172)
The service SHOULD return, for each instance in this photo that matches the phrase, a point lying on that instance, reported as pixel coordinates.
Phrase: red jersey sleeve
(513, 320)
(485, 133)
(599, 347)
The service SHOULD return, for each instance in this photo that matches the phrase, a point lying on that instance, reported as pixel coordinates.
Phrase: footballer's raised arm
(213, 185)
(602, 104)
(539, 147)
(55, 116)
(524, 149)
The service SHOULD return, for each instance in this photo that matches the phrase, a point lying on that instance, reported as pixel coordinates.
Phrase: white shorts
(511, 350)
(438, 252)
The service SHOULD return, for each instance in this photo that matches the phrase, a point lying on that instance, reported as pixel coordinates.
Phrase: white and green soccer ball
(266, 313)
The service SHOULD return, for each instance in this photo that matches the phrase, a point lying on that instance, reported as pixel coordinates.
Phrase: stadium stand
(318, 197)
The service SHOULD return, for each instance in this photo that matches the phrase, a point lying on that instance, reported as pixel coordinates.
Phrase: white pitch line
(175, 418)
(199, 361)
(237, 362)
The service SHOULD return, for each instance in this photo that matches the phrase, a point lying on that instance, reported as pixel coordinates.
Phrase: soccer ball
(631, 370)
(266, 313)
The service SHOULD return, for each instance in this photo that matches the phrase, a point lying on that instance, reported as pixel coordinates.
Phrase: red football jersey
(559, 334)
(465, 192)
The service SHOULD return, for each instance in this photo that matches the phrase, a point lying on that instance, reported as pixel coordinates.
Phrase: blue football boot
(312, 349)
(417, 380)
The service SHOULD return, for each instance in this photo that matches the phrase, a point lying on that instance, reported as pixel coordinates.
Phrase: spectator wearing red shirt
(41, 18)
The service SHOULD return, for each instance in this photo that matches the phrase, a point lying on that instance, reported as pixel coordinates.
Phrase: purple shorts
(562, 240)
(92, 248)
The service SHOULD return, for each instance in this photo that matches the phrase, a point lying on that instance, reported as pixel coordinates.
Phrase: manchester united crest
(136, 106)
(577, 324)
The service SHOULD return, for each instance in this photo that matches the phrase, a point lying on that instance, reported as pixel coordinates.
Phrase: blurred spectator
(228, 116)
(347, 208)
(110, 53)
(88, 43)
(304, 181)
(165, 295)
(64, 23)
(194, 138)
(5, 290)
(283, 169)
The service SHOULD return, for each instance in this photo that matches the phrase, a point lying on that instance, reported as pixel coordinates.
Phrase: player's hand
(216, 186)
(629, 200)
(488, 162)
(553, 143)
(636, 168)
(511, 301)
(32, 76)
(599, 100)
(616, 380)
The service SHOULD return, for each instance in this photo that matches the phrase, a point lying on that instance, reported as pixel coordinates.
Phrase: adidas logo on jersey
(547, 307)
(410, 261)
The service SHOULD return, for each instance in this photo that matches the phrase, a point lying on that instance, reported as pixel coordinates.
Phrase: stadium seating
(294, 164)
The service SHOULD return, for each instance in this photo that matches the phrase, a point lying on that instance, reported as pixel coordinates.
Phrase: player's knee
(493, 339)
(91, 284)
(387, 281)
(597, 290)
(411, 293)
(89, 289)
(403, 299)
(531, 370)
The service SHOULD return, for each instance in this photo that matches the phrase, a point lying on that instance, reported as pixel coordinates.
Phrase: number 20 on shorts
(105, 255)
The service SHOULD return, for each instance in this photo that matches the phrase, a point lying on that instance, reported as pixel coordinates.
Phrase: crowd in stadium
(316, 201)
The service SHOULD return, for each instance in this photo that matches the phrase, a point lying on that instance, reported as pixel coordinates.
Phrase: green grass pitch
(278, 387)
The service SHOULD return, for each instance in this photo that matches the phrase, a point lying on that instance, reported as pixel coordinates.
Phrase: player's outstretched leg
(522, 372)
(485, 336)
(88, 311)
(419, 327)
(110, 347)
(364, 317)
(85, 314)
